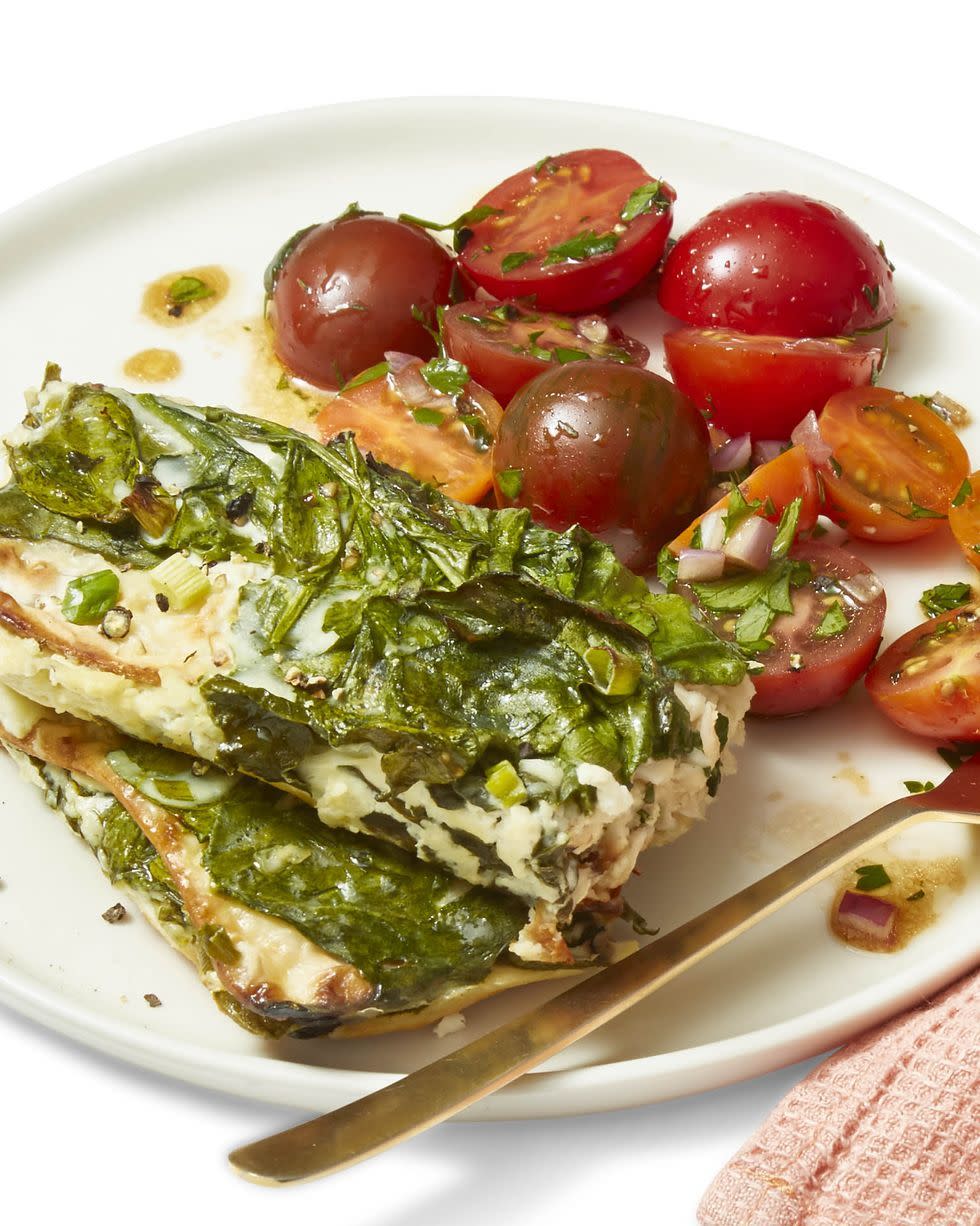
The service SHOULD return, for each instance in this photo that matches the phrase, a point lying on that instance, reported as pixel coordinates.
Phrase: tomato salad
(489, 366)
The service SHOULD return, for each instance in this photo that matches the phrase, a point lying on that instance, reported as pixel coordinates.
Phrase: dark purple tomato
(343, 293)
(614, 448)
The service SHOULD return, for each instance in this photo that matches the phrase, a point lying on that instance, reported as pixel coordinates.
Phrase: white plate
(74, 263)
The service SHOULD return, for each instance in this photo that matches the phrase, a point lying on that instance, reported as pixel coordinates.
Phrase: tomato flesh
(347, 291)
(780, 264)
(565, 232)
(614, 448)
(790, 475)
(895, 466)
(928, 681)
(504, 345)
(443, 440)
(803, 670)
(964, 518)
(765, 385)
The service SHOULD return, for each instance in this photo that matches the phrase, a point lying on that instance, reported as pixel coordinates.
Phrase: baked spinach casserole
(362, 670)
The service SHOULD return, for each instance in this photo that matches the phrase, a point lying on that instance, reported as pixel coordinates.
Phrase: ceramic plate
(74, 264)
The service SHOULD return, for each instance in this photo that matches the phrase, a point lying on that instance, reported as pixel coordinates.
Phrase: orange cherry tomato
(400, 419)
(790, 475)
(895, 467)
(928, 681)
(964, 518)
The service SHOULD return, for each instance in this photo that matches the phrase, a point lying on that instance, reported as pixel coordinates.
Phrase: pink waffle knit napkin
(884, 1133)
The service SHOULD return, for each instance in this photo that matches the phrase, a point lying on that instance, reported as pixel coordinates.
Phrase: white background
(890, 90)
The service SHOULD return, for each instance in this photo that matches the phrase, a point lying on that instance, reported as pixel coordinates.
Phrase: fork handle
(455, 1081)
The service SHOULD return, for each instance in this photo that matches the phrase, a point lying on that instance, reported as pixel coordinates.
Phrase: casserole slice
(294, 927)
(503, 700)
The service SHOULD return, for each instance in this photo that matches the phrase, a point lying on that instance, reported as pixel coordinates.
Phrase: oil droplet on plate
(152, 366)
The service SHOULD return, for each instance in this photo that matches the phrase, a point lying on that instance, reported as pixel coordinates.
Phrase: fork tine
(959, 792)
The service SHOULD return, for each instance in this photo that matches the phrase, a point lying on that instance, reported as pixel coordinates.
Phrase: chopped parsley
(915, 786)
(872, 877)
(835, 467)
(511, 482)
(945, 597)
(920, 512)
(188, 289)
(446, 375)
(428, 417)
(963, 493)
(582, 246)
(833, 622)
(515, 259)
(916, 896)
(872, 294)
(563, 355)
(367, 376)
(645, 199)
(534, 349)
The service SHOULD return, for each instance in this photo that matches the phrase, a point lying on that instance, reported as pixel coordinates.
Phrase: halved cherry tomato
(343, 293)
(895, 466)
(964, 518)
(504, 345)
(575, 231)
(765, 385)
(928, 681)
(780, 264)
(827, 642)
(614, 448)
(790, 475)
(399, 418)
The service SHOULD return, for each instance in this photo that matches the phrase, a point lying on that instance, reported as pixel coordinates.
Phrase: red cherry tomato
(779, 264)
(765, 385)
(790, 475)
(343, 293)
(895, 466)
(575, 231)
(504, 345)
(822, 647)
(614, 448)
(400, 419)
(928, 681)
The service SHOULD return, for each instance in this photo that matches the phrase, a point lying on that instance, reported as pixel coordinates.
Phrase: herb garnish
(872, 877)
(516, 259)
(645, 199)
(377, 371)
(511, 482)
(962, 494)
(915, 786)
(920, 512)
(582, 246)
(833, 622)
(916, 896)
(565, 355)
(188, 289)
(945, 597)
(446, 375)
(872, 294)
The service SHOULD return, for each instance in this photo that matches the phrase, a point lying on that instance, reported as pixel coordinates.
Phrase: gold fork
(455, 1081)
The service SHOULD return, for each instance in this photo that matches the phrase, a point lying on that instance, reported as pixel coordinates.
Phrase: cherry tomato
(790, 475)
(343, 293)
(614, 448)
(928, 681)
(765, 385)
(827, 642)
(399, 418)
(895, 466)
(964, 518)
(779, 264)
(575, 231)
(504, 345)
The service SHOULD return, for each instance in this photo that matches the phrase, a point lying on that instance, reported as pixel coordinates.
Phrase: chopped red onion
(767, 449)
(712, 530)
(405, 378)
(694, 565)
(867, 916)
(593, 328)
(807, 435)
(862, 589)
(750, 545)
(732, 455)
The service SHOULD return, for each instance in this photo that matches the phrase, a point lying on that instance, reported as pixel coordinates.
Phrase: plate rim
(550, 1093)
